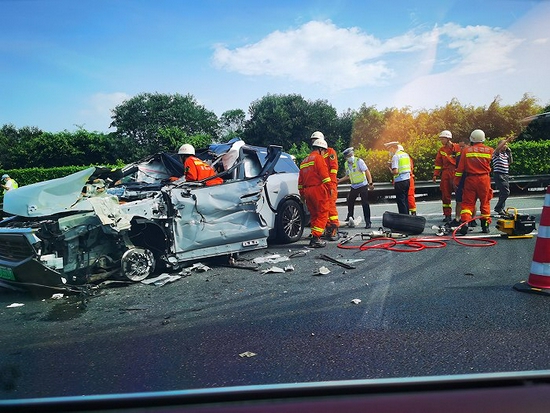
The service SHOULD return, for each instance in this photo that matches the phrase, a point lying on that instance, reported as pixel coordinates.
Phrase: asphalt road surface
(439, 311)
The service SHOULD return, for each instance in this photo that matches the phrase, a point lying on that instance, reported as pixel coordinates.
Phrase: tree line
(154, 122)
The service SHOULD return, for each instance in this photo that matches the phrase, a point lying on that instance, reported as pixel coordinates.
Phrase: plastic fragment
(356, 301)
(273, 270)
(247, 354)
(14, 305)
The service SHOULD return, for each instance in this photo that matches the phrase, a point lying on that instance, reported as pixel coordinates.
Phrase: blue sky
(66, 64)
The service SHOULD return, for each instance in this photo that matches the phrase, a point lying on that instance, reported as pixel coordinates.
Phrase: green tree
(232, 123)
(142, 118)
(290, 119)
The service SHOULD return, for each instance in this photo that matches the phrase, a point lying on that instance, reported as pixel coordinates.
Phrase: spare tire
(407, 224)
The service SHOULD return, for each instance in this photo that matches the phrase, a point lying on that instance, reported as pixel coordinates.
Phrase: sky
(66, 64)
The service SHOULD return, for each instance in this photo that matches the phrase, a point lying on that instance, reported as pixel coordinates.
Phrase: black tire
(289, 222)
(408, 224)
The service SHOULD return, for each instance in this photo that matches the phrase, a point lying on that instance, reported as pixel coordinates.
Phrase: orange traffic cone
(539, 278)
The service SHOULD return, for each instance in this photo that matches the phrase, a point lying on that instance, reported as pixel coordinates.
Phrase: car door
(221, 219)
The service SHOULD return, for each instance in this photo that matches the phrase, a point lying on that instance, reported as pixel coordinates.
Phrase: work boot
(463, 229)
(484, 226)
(331, 233)
(316, 243)
(472, 224)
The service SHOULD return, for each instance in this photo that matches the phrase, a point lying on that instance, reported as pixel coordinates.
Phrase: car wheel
(289, 223)
(137, 264)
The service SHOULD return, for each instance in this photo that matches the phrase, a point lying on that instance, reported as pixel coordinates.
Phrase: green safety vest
(404, 163)
(356, 176)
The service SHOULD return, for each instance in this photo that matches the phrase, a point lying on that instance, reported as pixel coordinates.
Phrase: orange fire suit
(331, 158)
(314, 186)
(445, 166)
(475, 163)
(197, 170)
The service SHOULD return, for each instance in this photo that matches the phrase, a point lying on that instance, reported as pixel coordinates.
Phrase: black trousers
(363, 192)
(502, 183)
(402, 196)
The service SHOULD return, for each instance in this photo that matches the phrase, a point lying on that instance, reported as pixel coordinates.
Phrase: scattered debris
(301, 253)
(289, 268)
(322, 271)
(14, 305)
(247, 354)
(356, 301)
(335, 261)
(57, 296)
(161, 280)
(273, 270)
(200, 267)
(271, 259)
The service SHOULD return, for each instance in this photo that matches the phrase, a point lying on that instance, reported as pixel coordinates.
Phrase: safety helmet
(348, 151)
(317, 135)
(5, 176)
(400, 148)
(477, 136)
(446, 134)
(320, 143)
(186, 149)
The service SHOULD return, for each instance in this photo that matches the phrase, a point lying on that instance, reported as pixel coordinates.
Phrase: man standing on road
(314, 186)
(358, 174)
(331, 159)
(411, 200)
(400, 167)
(502, 159)
(445, 167)
(475, 162)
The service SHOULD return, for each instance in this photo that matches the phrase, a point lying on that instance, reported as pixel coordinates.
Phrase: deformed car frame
(100, 223)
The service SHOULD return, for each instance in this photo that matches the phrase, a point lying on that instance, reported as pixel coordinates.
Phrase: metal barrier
(518, 184)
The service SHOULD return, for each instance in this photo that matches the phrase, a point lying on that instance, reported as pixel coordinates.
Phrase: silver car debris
(99, 223)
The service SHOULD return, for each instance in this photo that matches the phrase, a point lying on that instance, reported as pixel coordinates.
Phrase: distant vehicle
(100, 223)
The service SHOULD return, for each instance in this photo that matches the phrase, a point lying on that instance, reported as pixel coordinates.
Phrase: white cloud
(346, 58)
(97, 116)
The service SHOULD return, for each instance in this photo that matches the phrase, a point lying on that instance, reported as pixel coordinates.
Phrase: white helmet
(446, 134)
(317, 135)
(186, 149)
(320, 143)
(477, 136)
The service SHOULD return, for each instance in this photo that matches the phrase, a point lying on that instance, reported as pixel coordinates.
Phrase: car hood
(50, 197)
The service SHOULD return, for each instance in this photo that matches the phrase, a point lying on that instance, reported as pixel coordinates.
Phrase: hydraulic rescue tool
(515, 225)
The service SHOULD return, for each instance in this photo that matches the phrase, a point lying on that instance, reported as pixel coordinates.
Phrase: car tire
(289, 222)
(409, 224)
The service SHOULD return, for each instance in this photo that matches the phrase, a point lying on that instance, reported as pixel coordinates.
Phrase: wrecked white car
(99, 223)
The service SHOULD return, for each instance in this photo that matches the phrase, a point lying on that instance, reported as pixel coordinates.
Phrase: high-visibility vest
(356, 176)
(404, 163)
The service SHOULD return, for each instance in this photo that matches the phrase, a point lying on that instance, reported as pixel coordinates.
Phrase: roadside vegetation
(149, 123)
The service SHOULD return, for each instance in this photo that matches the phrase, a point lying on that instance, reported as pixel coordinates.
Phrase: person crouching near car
(314, 187)
(195, 169)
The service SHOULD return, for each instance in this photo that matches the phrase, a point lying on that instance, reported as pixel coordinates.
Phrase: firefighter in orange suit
(196, 169)
(331, 159)
(445, 167)
(475, 163)
(314, 186)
